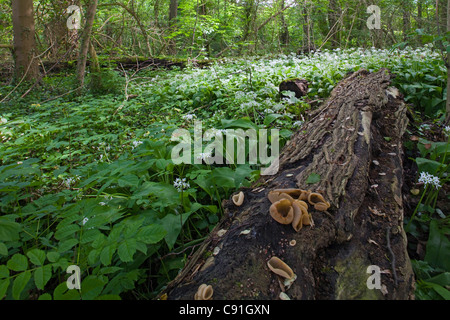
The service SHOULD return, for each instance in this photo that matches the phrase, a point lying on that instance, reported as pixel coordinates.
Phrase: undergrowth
(89, 181)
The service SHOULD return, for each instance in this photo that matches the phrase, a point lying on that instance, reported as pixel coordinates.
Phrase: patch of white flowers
(136, 144)
(181, 184)
(204, 156)
(70, 181)
(427, 179)
(189, 117)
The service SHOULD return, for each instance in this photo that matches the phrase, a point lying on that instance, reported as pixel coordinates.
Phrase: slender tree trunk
(406, 20)
(173, 9)
(24, 41)
(284, 32)
(332, 19)
(85, 42)
(419, 23)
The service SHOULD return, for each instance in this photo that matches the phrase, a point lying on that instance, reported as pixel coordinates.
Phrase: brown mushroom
(275, 196)
(238, 199)
(304, 195)
(322, 206)
(204, 292)
(282, 211)
(299, 216)
(280, 268)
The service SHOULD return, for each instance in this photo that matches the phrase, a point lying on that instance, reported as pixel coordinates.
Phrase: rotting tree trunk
(346, 143)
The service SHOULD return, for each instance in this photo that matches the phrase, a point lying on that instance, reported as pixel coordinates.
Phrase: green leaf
(61, 292)
(427, 165)
(313, 178)
(4, 284)
(45, 296)
(128, 181)
(127, 249)
(9, 230)
(53, 256)
(107, 254)
(4, 272)
(172, 224)
(66, 231)
(438, 247)
(19, 284)
(67, 245)
(18, 262)
(42, 275)
(151, 234)
(91, 287)
(3, 249)
(36, 256)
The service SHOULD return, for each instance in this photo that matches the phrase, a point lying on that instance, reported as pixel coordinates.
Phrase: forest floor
(88, 180)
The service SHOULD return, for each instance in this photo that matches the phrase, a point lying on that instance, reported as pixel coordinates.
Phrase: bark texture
(85, 42)
(354, 143)
(24, 41)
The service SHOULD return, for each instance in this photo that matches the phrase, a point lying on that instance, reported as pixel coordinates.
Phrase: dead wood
(354, 143)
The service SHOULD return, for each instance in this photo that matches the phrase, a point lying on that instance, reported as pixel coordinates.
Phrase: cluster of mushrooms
(289, 206)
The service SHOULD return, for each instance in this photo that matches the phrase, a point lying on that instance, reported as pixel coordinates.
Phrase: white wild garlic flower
(427, 179)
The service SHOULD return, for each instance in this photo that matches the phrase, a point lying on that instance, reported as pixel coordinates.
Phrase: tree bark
(24, 42)
(85, 42)
(173, 9)
(345, 144)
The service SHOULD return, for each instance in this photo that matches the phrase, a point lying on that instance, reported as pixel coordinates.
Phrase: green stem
(415, 211)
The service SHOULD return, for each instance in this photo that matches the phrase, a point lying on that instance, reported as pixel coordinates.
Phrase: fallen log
(352, 145)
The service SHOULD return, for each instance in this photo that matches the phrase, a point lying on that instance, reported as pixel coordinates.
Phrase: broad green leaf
(224, 177)
(442, 279)
(128, 181)
(45, 296)
(18, 262)
(66, 231)
(427, 165)
(4, 284)
(53, 256)
(4, 272)
(438, 247)
(91, 287)
(42, 275)
(19, 284)
(172, 224)
(107, 254)
(9, 230)
(3, 249)
(61, 292)
(67, 245)
(36, 256)
(127, 249)
(151, 234)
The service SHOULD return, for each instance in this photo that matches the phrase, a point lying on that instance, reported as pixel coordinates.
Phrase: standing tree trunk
(358, 172)
(173, 9)
(24, 42)
(85, 42)
(284, 32)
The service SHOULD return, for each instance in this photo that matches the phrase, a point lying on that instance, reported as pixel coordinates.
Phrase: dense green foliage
(90, 181)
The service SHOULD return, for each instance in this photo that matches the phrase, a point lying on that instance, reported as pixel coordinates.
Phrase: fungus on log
(330, 259)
